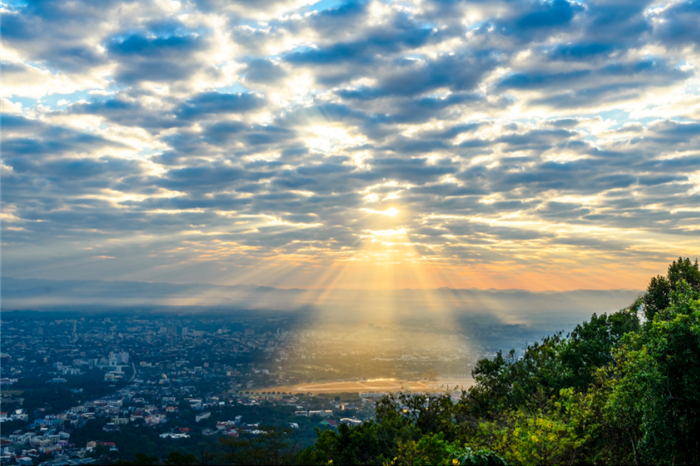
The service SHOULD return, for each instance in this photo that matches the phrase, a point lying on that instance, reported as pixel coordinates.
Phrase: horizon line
(327, 289)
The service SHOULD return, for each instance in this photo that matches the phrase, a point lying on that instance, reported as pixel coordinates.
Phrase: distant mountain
(519, 306)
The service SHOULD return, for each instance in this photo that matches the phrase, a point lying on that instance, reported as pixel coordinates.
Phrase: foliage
(179, 458)
(140, 459)
(658, 295)
(546, 435)
(590, 345)
(628, 393)
(656, 383)
(433, 449)
(409, 429)
(265, 445)
(481, 457)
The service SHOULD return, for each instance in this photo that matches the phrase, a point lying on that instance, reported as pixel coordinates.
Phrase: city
(79, 388)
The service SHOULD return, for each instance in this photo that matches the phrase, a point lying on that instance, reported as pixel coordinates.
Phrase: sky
(538, 145)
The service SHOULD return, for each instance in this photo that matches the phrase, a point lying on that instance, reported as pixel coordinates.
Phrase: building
(350, 421)
(122, 357)
(202, 416)
(111, 427)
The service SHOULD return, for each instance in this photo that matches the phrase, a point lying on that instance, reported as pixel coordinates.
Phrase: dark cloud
(678, 24)
(263, 71)
(621, 23)
(127, 112)
(212, 103)
(582, 51)
(416, 77)
(526, 21)
(400, 34)
(25, 28)
(24, 137)
(208, 178)
(629, 75)
(160, 59)
(68, 170)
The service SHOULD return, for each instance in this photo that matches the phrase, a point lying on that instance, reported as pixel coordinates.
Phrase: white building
(199, 417)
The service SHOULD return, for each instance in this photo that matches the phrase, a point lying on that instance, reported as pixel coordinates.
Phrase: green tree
(533, 438)
(175, 458)
(417, 414)
(139, 460)
(266, 445)
(367, 443)
(656, 383)
(508, 382)
(658, 295)
(590, 345)
(434, 450)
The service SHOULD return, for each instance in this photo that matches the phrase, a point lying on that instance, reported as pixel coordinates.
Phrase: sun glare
(391, 212)
(390, 232)
(330, 138)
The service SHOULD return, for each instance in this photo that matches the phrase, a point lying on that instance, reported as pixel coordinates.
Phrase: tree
(433, 450)
(410, 429)
(656, 383)
(140, 459)
(265, 445)
(419, 413)
(658, 295)
(540, 437)
(175, 458)
(507, 382)
(590, 345)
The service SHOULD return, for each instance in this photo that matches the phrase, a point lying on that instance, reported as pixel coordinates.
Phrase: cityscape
(349, 232)
(77, 386)
(76, 389)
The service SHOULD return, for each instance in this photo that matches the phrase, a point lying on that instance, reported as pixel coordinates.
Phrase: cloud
(263, 71)
(155, 59)
(212, 103)
(677, 24)
(25, 137)
(470, 134)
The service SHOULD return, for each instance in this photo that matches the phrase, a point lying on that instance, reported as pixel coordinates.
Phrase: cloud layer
(540, 145)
